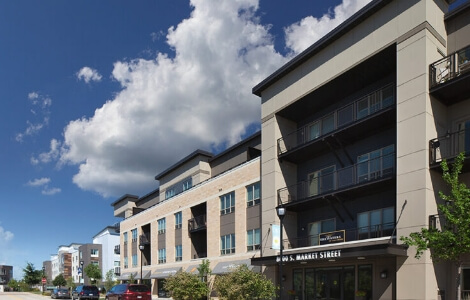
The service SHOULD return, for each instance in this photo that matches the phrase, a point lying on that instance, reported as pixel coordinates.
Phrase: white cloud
(41, 111)
(171, 105)
(50, 191)
(300, 35)
(5, 235)
(39, 181)
(46, 157)
(88, 74)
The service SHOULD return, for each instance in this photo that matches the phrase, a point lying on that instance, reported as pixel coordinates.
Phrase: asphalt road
(21, 296)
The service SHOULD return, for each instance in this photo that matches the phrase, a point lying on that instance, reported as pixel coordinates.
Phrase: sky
(100, 96)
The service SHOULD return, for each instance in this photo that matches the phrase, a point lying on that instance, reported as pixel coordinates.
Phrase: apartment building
(207, 207)
(108, 238)
(353, 130)
(89, 254)
(6, 273)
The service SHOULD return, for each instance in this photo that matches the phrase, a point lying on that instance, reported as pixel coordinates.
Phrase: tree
(70, 283)
(93, 272)
(13, 284)
(109, 280)
(244, 283)
(59, 280)
(453, 239)
(205, 272)
(186, 286)
(31, 275)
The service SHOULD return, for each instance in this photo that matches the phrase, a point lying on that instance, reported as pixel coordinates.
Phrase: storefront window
(465, 283)
(364, 283)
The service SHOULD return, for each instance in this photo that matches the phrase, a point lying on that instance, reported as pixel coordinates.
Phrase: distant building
(6, 274)
(89, 254)
(61, 263)
(109, 240)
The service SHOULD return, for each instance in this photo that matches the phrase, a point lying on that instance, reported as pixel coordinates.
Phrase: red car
(129, 292)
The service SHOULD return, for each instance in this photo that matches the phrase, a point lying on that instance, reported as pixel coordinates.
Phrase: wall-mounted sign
(275, 229)
(330, 254)
(332, 237)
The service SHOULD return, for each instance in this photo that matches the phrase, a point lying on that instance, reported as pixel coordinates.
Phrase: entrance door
(331, 284)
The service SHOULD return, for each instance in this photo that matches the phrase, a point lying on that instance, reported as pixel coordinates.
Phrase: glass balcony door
(321, 181)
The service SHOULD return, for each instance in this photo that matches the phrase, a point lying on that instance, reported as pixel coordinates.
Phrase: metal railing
(358, 174)
(117, 249)
(449, 67)
(196, 223)
(352, 234)
(449, 146)
(361, 108)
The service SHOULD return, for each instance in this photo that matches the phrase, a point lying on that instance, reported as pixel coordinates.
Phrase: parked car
(86, 292)
(129, 292)
(60, 293)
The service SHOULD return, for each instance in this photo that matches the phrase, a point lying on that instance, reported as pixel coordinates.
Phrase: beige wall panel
(411, 278)
(414, 161)
(411, 135)
(411, 89)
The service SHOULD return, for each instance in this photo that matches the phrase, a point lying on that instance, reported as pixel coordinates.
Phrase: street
(20, 296)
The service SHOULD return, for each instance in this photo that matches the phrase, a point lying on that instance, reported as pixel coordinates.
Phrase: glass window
(315, 228)
(178, 220)
(227, 203)
(376, 223)
(161, 225)
(187, 184)
(253, 194)
(134, 235)
(170, 192)
(364, 280)
(375, 164)
(134, 260)
(322, 181)
(227, 244)
(178, 253)
(162, 256)
(125, 237)
(253, 239)
(126, 262)
(328, 124)
(94, 252)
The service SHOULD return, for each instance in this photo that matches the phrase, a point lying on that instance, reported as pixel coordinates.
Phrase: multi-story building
(207, 207)
(109, 239)
(89, 254)
(353, 130)
(61, 263)
(47, 268)
(6, 273)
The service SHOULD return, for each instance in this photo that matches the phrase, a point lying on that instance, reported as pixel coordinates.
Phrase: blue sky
(100, 96)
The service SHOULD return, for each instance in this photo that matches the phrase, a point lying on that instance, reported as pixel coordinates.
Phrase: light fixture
(361, 257)
(384, 274)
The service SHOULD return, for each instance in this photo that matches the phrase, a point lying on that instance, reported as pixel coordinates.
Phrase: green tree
(13, 284)
(31, 275)
(243, 283)
(205, 273)
(109, 280)
(131, 279)
(186, 286)
(93, 272)
(453, 239)
(59, 280)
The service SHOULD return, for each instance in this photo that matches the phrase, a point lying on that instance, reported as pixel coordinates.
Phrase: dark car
(86, 292)
(60, 293)
(129, 292)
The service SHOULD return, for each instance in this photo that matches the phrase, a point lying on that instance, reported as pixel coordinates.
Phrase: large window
(315, 228)
(178, 220)
(227, 244)
(376, 223)
(134, 260)
(253, 239)
(134, 235)
(94, 252)
(170, 192)
(187, 184)
(253, 194)
(375, 164)
(321, 181)
(125, 237)
(227, 203)
(178, 253)
(162, 256)
(126, 262)
(161, 225)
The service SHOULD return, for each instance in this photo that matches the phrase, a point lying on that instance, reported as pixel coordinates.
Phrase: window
(94, 252)
(170, 192)
(125, 237)
(227, 203)
(178, 220)
(374, 102)
(126, 262)
(134, 235)
(96, 263)
(227, 244)
(375, 164)
(315, 228)
(162, 256)
(161, 225)
(376, 223)
(253, 239)
(465, 280)
(463, 140)
(252, 194)
(321, 181)
(187, 184)
(178, 253)
(134, 260)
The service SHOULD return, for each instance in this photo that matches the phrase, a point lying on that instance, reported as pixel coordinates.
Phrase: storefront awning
(165, 273)
(330, 253)
(193, 269)
(145, 274)
(127, 276)
(229, 266)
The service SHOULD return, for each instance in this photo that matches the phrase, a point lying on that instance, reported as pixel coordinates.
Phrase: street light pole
(281, 212)
(43, 277)
(83, 275)
(141, 248)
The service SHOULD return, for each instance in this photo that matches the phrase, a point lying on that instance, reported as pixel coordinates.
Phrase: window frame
(161, 225)
(256, 239)
(254, 201)
(227, 203)
(227, 244)
(178, 220)
(178, 252)
(162, 256)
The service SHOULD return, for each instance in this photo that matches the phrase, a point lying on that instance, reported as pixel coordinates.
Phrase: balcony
(117, 271)
(360, 175)
(448, 147)
(117, 249)
(144, 239)
(449, 77)
(360, 117)
(347, 235)
(197, 223)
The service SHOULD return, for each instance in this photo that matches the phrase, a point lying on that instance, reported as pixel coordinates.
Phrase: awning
(192, 269)
(229, 266)
(145, 274)
(164, 273)
(127, 276)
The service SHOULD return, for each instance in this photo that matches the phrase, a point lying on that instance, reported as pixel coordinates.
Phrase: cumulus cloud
(88, 74)
(40, 109)
(44, 183)
(39, 181)
(50, 191)
(52, 155)
(300, 35)
(5, 235)
(198, 97)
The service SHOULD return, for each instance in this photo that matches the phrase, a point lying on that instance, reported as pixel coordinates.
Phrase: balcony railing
(449, 67)
(117, 271)
(355, 175)
(117, 249)
(361, 108)
(353, 234)
(197, 223)
(449, 146)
